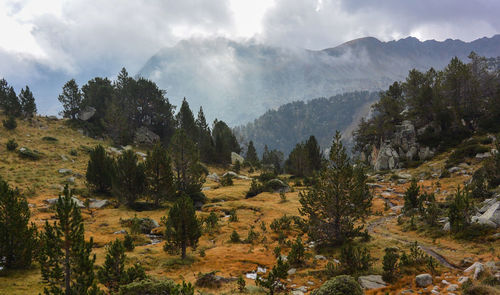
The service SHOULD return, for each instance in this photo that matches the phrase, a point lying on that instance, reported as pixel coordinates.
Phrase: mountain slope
(236, 82)
(294, 122)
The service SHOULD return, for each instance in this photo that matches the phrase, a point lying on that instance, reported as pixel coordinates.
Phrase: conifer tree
(9, 101)
(129, 182)
(411, 197)
(113, 273)
(314, 153)
(71, 99)
(159, 174)
(100, 170)
(185, 121)
(17, 237)
(187, 169)
(205, 142)
(251, 156)
(273, 279)
(66, 259)
(183, 227)
(225, 142)
(339, 200)
(28, 106)
(460, 210)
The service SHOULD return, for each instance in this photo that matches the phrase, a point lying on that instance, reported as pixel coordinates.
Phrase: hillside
(41, 180)
(294, 122)
(237, 82)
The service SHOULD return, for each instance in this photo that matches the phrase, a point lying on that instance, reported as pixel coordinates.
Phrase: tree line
(444, 106)
(16, 106)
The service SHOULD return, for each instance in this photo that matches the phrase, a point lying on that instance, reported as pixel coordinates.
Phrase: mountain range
(238, 81)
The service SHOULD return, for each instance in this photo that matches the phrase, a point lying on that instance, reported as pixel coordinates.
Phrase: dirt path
(432, 251)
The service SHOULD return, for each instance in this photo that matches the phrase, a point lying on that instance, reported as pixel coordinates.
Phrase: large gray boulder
(87, 113)
(423, 280)
(491, 217)
(53, 201)
(236, 158)
(145, 136)
(371, 282)
(387, 158)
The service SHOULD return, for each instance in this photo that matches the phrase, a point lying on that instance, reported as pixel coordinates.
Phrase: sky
(69, 34)
(96, 37)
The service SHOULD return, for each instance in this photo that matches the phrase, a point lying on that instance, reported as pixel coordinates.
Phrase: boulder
(98, 204)
(483, 155)
(213, 177)
(452, 288)
(477, 268)
(486, 204)
(491, 217)
(236, 158)
(371, 282)
(53, 201)
(292, 271)
(64, 171)
(387, 158)
(145, 136)
(423, 280)
(87, 113)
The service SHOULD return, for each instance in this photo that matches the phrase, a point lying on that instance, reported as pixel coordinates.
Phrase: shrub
(255, 189)
(340, 285)
(232, 216)
(235, 237)
(151, 287)
(480, 290)
(266, 176)
(281, 224)
(390, 264)
(227, 180)
(241, 283)
(252, 236)
(415, 257)
(128, 243)
(49, 138)
(466, 150)
(10, 123)
(354, 259)
(11, 145)
(73, 152)
(29, 154)
(211, 222)
(282, 197)
(296, 256)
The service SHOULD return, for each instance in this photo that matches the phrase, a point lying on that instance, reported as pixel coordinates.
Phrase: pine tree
(251, 156)
(390, 264)
(129, 182)
(159, 174)
(113, 273)
(71, 99)
(183, 228)
(205, 142)
(17, 237)
(100, 170)
(272, 281)
(411, 198)
(28, 106)
(66, 261)
(9, 101)
(314, 154)
(187, 169)
(338, 201)
(225, 142)
(185, 121)
(460, 210)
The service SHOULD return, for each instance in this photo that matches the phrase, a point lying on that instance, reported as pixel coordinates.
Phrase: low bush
(151, 287)
(227, 180)
(11, 145)
(49, 139)
(340, 285)
(468, 149)
(29, 154)
(255, 189)
(10, 123)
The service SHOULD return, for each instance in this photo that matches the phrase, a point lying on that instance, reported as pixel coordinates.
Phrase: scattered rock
(452, 288)
(213, 177)
(53, 201)
(98, 204)
(483, 155)
(462, 280)
(447, 226)
(120, 232)
(423, 280)
(70, 180)
(491, 217)
(371, 282)
(477, 268)
(64, 171)
(292, 271)
(320, 257)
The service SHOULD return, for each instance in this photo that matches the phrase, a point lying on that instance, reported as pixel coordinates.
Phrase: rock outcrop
(401, 147)
(145, 136)
(236, 158)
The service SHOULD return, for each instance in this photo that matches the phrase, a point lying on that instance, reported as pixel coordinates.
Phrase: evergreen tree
(273, 158)
(65, 257)
(98, 93)
(338, 201)
(28, 106)
(113, 273)
(251, 156)
(100, 170)
(225, 142)
(272, 281)
(8, 99)
(129, 182)
(183, 228)
(10, 123)
(390, 264)
(185, 121)
(71, 99)
(17, 237)
(205, 142)
(460, 210)
(159, 174)
(411, 197)
(188, 171)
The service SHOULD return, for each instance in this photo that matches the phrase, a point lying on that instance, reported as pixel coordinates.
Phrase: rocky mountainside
(237, 82)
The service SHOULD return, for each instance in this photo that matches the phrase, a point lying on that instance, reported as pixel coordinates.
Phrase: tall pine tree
(251, 156)
(28, 106)
(71, 99)
(205, 142)
(17, 237)
(66, 259)
(339, 201)
(160, 182)
(100, 170)
(129, 182)
(186, 122)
